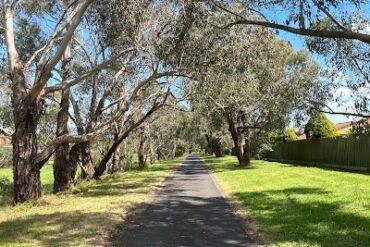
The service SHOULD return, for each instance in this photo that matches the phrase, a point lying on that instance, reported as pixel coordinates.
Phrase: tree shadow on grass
(287, 219)
(115, 188)
(54, 229)
(226, 164)
(48, 223)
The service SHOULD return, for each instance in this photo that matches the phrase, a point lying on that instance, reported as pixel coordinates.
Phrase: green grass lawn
(78, 218)
(300, 206)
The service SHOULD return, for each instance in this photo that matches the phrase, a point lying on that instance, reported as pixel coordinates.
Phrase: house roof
(344, 125)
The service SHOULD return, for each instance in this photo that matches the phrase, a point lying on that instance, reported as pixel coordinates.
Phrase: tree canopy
(90, 83)
(320, 126)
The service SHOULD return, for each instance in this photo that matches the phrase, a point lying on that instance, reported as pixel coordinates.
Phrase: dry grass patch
(81, 217)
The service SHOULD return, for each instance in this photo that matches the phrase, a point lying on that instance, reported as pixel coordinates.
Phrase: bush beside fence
(342, 152)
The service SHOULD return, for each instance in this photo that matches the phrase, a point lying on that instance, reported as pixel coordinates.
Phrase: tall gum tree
(338, 31)
(28, 102)
(29, 93)
(255, 81)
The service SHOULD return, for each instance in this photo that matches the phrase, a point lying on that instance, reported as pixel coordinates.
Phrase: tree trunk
(218, 151)
(102, 167)
(116, 161)
(242, 151)
(246, 148)
(26, 174)
(63, 179)
(140, 150)
(152, 152)
(64, 174)
(88, 168)
(62, 167)
(159, 154)
(174, 151)
(27, 183)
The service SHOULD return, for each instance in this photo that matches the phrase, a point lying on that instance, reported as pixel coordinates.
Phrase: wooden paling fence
(341, 152)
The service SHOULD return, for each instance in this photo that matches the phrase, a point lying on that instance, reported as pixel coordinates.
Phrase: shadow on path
(189, 211)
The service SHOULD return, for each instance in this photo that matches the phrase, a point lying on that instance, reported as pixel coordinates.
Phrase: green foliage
(300, 206)
(320, 126)
(290, 135)
(360, 128)
(5, 156)
(180, 150)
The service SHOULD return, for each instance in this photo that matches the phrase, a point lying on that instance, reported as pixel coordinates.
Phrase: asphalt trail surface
(189, 211)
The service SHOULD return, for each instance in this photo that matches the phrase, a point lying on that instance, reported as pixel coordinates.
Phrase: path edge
(239, 210)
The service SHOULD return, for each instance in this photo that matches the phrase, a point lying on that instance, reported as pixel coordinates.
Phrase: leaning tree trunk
(102, 167)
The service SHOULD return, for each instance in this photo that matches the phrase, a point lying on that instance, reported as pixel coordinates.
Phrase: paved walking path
(189, 211)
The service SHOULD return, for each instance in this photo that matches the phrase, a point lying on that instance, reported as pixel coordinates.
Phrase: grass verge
(300, 206)
(81, 217)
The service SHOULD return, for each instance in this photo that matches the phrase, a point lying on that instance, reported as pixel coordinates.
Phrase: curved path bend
(189, 211)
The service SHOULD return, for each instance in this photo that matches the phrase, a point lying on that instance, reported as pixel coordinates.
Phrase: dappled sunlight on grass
(80, 217)
(301, 206)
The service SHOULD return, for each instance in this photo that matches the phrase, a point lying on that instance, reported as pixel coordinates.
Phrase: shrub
(290, 135)
(319, 126)
(180, 150)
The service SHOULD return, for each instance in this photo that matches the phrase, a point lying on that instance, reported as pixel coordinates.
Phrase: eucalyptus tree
(255, 82)
(211, 125)
(34, 78)
(28, 98)
(160, 32)
(336, 30)
(169, 130)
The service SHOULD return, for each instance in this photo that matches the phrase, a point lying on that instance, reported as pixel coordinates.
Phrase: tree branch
(344, 34)
(306, 32)
(96, 69)
(41, 80)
